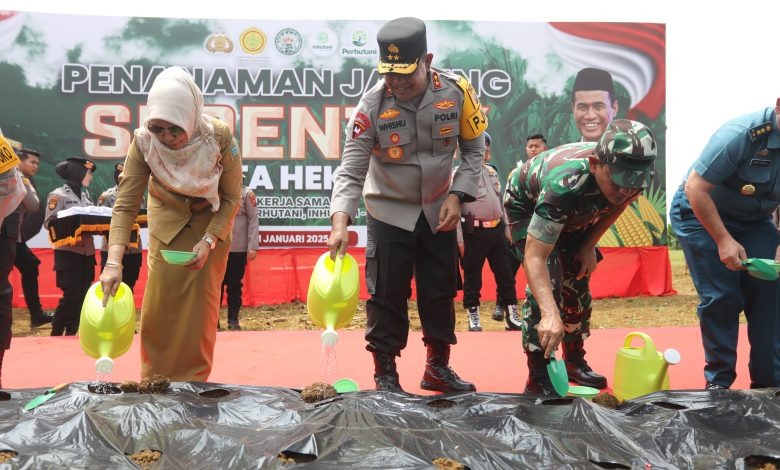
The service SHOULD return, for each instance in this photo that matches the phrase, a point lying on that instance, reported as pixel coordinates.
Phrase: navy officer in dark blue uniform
(721, 216)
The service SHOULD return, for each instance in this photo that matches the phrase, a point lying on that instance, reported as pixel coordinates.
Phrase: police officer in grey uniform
(721, 216)
(26, 261)
(133, 257)
(483, 234)
(74, 263)
(398, 152)
(243, 249)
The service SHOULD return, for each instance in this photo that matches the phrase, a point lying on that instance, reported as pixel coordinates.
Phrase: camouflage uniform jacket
(553, 193)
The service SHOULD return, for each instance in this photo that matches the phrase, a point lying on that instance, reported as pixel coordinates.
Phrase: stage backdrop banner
(77, 85)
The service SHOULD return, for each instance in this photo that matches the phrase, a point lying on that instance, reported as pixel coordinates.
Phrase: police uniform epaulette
(760, 131)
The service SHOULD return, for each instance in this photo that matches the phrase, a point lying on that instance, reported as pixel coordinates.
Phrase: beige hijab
(194, 169)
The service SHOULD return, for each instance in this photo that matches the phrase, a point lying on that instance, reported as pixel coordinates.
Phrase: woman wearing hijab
(192, 167)
(74, 256)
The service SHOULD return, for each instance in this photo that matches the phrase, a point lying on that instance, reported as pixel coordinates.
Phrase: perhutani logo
(252, 41)
(323, 42)
(288, 41)
(359, 38)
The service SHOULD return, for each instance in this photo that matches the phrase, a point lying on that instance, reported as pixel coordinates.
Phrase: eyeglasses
(174, 131)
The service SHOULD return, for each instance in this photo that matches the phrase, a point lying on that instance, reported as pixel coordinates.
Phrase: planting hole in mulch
(669, 405)
(609, 465)
(443, 463)
(441, 403)
(145, 458)
(288, 456)
(104, 388)
(607, 400)
(318, 391)
(761, 462)
(6, 455)
(558, 401)
(215, 393)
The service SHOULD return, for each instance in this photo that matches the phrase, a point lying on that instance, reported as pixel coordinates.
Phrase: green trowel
(765, 269)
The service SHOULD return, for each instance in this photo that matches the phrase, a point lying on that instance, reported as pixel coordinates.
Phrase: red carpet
(494, 361)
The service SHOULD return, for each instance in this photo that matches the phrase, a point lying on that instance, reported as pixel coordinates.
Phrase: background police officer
(26, 261)
(483, 235)
(74, 257)
(133, 257)
(398, 153)
(243, 248)
(721, 216)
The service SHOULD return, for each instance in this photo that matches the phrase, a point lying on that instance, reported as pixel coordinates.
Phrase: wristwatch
(459, 194)
(212, 243)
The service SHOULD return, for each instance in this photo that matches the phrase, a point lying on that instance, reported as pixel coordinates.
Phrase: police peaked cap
(401, 44)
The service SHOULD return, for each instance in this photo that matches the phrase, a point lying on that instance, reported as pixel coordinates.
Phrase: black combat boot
(439, 376)
(577, 367)
(385, 373)
(39, 318)
(538, 379)
(233, 319)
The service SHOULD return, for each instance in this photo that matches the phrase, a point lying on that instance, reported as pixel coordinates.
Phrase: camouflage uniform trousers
(572, 295)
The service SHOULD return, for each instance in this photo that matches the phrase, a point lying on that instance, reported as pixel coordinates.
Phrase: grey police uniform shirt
(246, 224)
(401, 156)
(742, 160)
(65, 199)
(107, 199)
(29, 205)
(489, 205)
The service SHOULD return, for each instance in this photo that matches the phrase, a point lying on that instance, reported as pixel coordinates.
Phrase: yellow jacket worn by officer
(74, 255)
(398, 154)
(191, 164)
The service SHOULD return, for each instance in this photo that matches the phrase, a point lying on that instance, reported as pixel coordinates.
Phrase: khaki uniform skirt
(181, 307)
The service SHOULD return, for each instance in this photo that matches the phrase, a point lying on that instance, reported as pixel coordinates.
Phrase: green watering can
(107, 333)
(765, 269)
(333, 294)
(641, 370)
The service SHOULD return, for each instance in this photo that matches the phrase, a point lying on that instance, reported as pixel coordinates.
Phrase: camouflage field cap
(629, 148)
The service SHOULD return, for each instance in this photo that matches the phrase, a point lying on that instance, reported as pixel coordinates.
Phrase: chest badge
(395, 152)
(395, 138)
(762, 153)
(748, 190)
(52, 202)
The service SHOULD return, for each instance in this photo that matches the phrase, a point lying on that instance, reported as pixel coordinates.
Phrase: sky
(722, 58)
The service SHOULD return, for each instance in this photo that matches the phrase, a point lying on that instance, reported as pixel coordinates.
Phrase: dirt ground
(674, 310)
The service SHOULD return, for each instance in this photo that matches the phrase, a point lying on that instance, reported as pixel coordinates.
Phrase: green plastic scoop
(765, 269)
(556, 369)
(40, 399)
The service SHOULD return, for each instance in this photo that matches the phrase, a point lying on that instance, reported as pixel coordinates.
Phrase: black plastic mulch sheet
(207, 425)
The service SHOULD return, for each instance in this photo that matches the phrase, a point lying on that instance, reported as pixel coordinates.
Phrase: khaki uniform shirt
(168, 212)
(64, 198)
(400, 156)
(245, 226)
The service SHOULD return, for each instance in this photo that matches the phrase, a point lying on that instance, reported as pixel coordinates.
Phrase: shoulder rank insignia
(436, 81)
(760, 131)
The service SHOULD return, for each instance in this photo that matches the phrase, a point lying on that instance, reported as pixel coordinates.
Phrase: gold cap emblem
(748, 190)
(393, 48)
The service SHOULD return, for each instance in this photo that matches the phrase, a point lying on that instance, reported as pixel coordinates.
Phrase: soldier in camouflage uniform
(559, 204)
(133, 257)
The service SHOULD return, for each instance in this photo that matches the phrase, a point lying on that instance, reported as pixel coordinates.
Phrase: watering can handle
(337, 267)
(649, 346)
